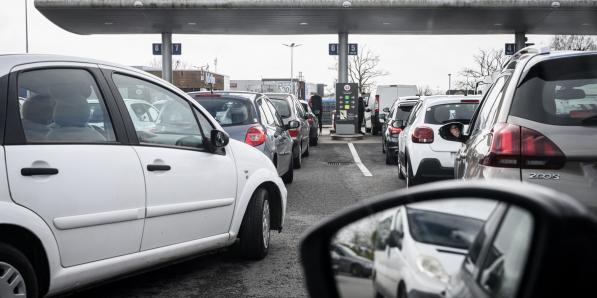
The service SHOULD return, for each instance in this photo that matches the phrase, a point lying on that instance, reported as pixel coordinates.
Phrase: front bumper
(430, 169)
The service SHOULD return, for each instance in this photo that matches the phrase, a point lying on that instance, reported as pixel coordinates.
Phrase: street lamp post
(292, 46)
(26, 28)
(449, 82)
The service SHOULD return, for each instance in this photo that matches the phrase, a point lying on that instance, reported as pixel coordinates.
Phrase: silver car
(289, 107)
(537, 124)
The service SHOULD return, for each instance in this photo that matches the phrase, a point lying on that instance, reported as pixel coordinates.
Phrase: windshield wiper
(592, 120)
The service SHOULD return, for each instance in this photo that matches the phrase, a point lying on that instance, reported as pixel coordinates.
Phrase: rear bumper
(430, 169)
(421, 294)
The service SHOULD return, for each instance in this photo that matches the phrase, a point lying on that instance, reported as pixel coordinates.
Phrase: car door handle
(153, 168)
(38, 171)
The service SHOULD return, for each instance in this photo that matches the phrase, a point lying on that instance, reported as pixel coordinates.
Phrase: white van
(384, 98)
(420, 246)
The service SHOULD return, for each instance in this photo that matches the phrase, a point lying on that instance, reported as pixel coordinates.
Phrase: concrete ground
(318, 191)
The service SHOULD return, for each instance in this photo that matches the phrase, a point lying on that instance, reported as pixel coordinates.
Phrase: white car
(82, 203)
(422, 154)
(413, 258)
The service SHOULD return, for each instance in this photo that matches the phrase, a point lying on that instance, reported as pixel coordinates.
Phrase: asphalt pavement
(318, 191)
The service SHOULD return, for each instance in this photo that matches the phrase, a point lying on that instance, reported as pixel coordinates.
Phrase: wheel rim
(265, 224)
(12, 283)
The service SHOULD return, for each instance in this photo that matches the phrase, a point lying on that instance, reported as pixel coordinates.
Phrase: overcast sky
(420, 60)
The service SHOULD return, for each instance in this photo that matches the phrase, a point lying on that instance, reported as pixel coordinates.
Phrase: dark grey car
(392, 127)
(290, 109)
(251, 118)
(537, 124)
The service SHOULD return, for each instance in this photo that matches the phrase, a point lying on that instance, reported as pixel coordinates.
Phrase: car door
(468, 158)
(271, 137)
(190, 191)
(302, 118)
(84, 180)
(282, 137)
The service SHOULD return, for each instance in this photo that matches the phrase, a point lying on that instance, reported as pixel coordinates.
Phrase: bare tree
(573, 42)
(363, 69)
(487, 62)
(424, 90)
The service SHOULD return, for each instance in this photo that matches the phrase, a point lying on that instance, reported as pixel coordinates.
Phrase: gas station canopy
(322, 16)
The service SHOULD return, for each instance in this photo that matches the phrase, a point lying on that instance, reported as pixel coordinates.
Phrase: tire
(383, 146)
(255, 230)
(313, 141)
(390, 158)
(401, 291)
(307, 150)
(400, 175)
(288, 177)
(410, 179)
(367, 130)
(22, 274)
(298, 160)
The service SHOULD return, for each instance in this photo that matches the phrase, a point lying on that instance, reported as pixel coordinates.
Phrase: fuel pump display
(346, 108)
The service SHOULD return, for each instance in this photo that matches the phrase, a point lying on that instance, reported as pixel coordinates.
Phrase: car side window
(265, 113)
(381, 233)
(205, 125)
(277, 119)
(505, 262)
(490, 100)
(299, 109)
(413, 115)
(399, 224)
(63, 106)
(176, 124)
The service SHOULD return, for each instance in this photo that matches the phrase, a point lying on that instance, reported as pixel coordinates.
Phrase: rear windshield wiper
(592, 120)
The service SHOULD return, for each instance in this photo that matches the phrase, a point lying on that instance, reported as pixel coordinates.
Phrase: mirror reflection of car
(535, 243)
(349, 262)
(420, 246)
(313, 123)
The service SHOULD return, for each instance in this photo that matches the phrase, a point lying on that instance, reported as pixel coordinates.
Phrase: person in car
(455, 130)
(316, 106)
(37, 115)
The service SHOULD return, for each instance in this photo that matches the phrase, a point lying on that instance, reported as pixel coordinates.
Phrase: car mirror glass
(439, 232)
(292, 124)
(386, 110)
(219, 139)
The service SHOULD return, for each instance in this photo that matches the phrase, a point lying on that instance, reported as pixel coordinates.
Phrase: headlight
(433, 268)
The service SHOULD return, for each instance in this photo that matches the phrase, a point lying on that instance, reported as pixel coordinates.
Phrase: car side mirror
(399, 124)
(534, 225)
(453, 131)
(395, 239)
(386, 110)
(292, 124)
(218, 140)
(367, 110)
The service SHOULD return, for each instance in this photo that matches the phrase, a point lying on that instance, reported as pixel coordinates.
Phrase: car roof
(8, 61)
(473, 208)
(443, 99)
(240, 94)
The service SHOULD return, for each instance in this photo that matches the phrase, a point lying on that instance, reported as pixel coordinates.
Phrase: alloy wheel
(265, 224)
(12, 284)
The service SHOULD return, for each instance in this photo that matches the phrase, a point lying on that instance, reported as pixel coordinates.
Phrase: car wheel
(313, 141)
(298, 160)
(410, 179)
(307, 150)
(383, 146)
(402, 291)
(288, 177)
(255, 230)
(367, 130)
(17, 276)
(356, 270)
(400, 175)
(390, 158)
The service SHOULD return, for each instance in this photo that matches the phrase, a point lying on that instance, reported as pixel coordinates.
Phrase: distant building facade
(193, 80)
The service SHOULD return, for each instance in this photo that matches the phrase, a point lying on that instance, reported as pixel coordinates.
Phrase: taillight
(376, 105)
(513, 146)
(394, 130)
(293, 132)
(255, 136)
(422, 134)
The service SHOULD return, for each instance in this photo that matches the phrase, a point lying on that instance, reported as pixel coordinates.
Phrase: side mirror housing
(292, 124)
(399, 124)
(453, 131)
(395, 239)
(386, 110)
(367, 110)
(218, 139)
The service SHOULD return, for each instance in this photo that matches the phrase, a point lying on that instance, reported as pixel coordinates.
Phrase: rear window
(282, 107)
(558, 92)
(454, 112)
(402, 112)
(228, 111)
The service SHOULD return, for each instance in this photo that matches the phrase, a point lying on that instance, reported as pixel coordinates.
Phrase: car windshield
(445, 113)
(442, 229)
(282, 106)
(402, 112)
(227, 110)
(559, 92)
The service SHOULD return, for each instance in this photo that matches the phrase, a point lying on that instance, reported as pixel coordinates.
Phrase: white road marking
(358, 162)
